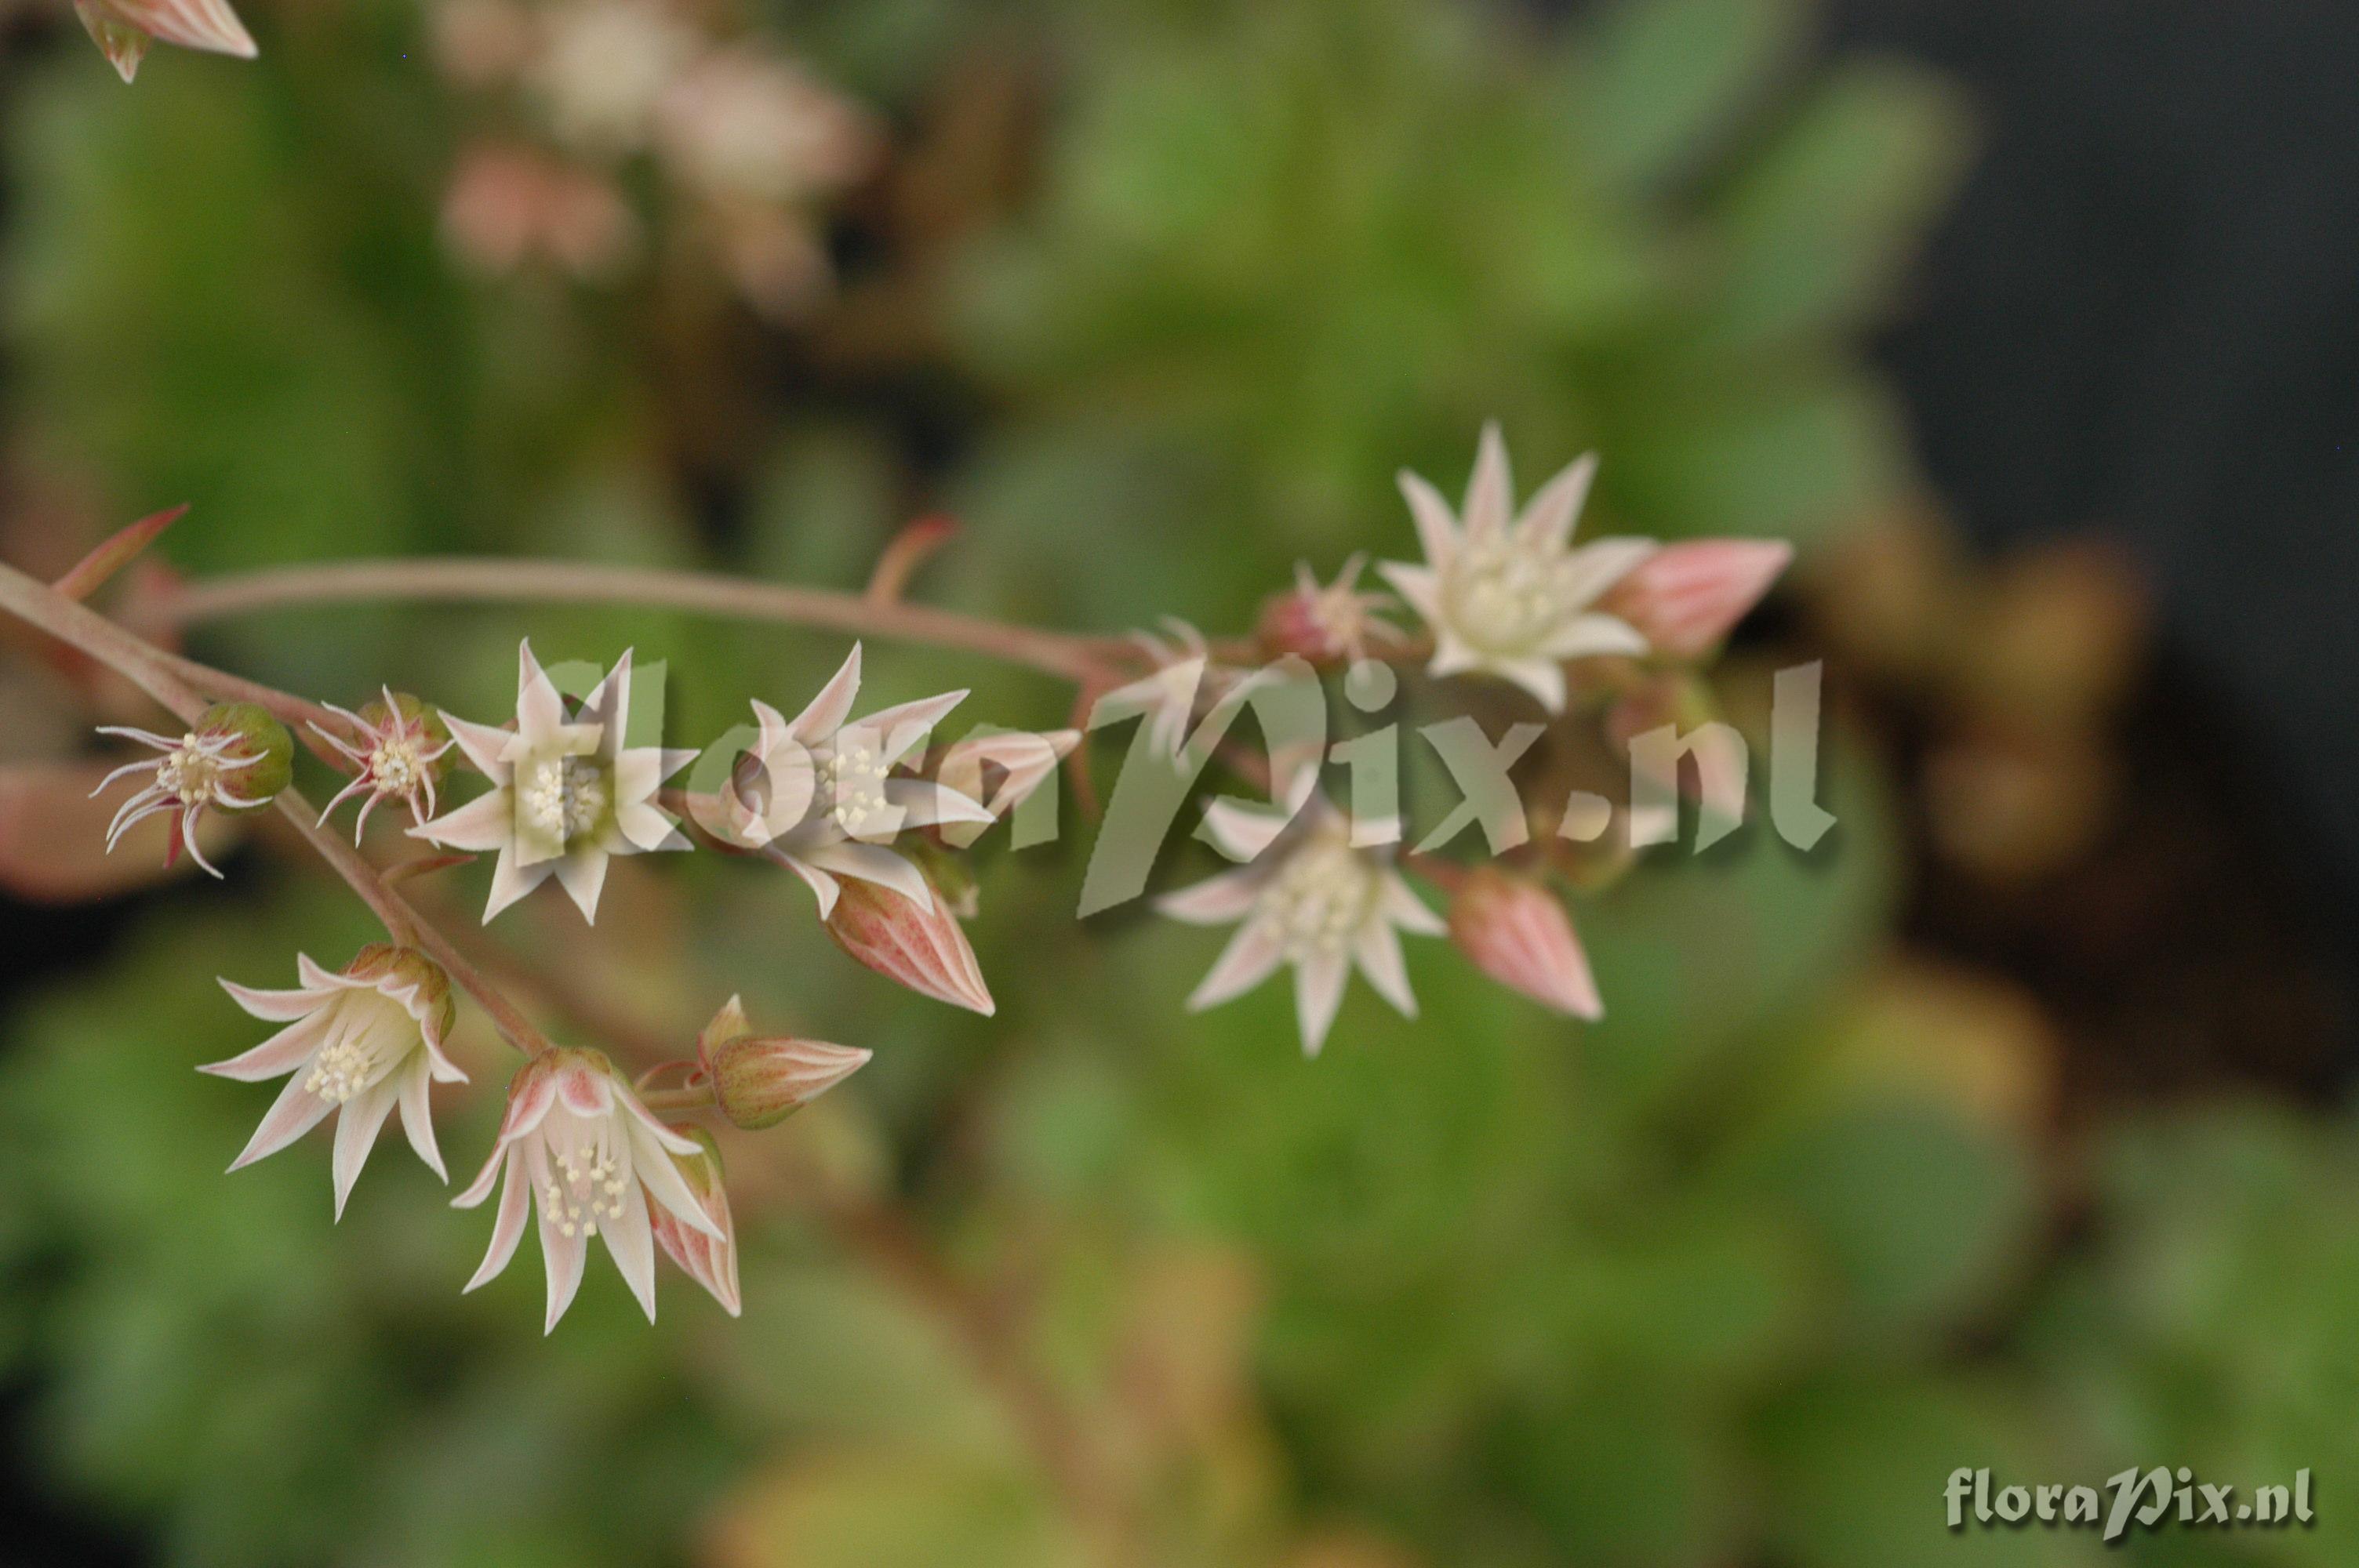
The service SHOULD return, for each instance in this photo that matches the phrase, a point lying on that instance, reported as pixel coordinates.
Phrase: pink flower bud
(1684, 599)
(759, 1081)
(1517, 933)
(921, 946)
(710, 1260)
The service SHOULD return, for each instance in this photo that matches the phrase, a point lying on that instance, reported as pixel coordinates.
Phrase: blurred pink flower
(508, 207)
(1329, 624)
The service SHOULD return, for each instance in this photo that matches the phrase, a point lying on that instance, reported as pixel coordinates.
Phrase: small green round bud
(260, 736)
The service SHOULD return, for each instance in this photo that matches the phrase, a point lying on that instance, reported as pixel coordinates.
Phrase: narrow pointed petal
(1588, 636)
(507, 1228)
(666, 1185)
(900, 729)
(562, 1256)
(276, 1006)
(827, 711)
(485, 745)
(1419, 586)
(480, 1188)
(1217, 901)
(295, 1112)
(1378, 951)
(632, 1248)
(873, 863)
(1242, 832)
(1544, 679)
(1318, 994)
(540, 709)
(417, 1117)
(483, 824)
(1252, 954)
(1549, 516)
(925, 804)
(1437, 527)
(282, 1054)
(1398, 903)
(582, 875)
(356, 1131)
(1491, 493)
(511, 879)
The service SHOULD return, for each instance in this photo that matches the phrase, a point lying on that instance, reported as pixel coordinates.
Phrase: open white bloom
(362, 1043)
(567, 795)
(1513, 597)
(1306, 897)
(830, 804)
(399, 756)
(123, 30)
(593, 1160)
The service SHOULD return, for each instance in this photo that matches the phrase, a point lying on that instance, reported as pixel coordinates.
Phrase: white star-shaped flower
(567, 795)
(1513, 597)
(1307, 897)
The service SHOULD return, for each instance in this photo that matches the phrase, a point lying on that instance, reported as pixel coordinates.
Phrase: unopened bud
(917, 945)
(711, 1261)
(1684, 599)
(759, 1081)
(255, 735)
(1517, 931)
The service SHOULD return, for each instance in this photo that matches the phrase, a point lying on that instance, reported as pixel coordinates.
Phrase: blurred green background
(1154, 296)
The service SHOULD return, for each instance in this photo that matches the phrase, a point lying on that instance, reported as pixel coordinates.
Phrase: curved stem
(496, 580)
(157, 674)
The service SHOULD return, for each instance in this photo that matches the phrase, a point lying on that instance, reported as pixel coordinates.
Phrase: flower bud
(257, 735)
(759, 1081)
(1684, 599)
(919, 945)
(1517, 931)
(710, 1260)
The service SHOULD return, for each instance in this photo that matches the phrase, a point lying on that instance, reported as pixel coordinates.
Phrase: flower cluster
(874, 819)
(1505, 595)
(745, 143)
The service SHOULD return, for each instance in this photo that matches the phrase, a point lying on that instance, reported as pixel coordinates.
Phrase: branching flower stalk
(874, 820)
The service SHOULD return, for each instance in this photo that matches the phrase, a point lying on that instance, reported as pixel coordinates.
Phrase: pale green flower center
(1504, 596)
(1322, 895)
(367, 1038)
(561, 800)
